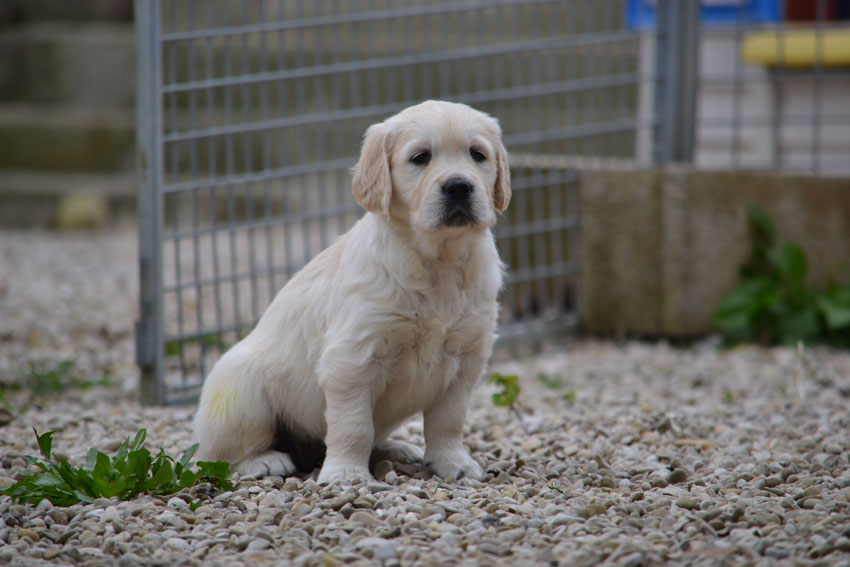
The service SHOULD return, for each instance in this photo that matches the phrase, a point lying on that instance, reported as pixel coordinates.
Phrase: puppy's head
(435, 165)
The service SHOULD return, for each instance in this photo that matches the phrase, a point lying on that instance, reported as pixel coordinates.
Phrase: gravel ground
(631, 453)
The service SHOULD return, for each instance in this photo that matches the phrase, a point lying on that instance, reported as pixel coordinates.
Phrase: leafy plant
(222, 341)
(30, 386)
(551, 383)
(773, 304)
(509, 392)
(133, 470)
(43, 379)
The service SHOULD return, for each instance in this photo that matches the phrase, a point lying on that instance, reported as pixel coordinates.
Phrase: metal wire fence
(250, 113)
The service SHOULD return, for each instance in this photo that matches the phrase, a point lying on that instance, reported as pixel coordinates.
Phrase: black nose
(457, 189)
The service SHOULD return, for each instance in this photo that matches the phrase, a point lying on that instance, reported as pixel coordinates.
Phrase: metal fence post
(677, 65)
(149, 348)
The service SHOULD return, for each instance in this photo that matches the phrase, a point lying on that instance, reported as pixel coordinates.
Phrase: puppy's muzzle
(457, 202)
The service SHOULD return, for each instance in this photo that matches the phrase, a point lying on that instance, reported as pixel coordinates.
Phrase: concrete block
(621, 251)
(66, 139)
(661, 247)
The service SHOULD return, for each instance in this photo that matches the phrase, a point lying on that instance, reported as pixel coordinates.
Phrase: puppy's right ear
(372, 184)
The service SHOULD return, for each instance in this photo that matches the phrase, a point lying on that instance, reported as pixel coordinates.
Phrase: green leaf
(91, 458)
(83, 497)
(834, 306)
(218, 473)
(163, 476)
(187, 456)
(140, 439)
(791, 263)
(509, 389)
(45, 443)
(738, 313)
(48, 480)
(761, 226)
(799, 326)
(84, 481)
(122, 451)
(103, 467)
(189, 478)
(551, 383)
(30, 460)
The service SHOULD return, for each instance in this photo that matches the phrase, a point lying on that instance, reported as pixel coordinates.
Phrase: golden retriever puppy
(395, 318)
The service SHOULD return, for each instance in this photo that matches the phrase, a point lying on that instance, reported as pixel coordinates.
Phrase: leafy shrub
(132, 471)
(773, 304)
(509, 389)
(43, 379)
(550, 382)
(33, 385)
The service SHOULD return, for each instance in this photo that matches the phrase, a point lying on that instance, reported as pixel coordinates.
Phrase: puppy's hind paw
(269, 463)
(399, 451)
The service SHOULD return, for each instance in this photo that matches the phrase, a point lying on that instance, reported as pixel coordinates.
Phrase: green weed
(43, 379)
(773, 304)
(132, 471)
(509, 392)
(549, 382)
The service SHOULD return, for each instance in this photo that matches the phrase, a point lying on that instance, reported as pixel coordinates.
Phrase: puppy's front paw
(269, 463)
(455, 465)
(342, 472)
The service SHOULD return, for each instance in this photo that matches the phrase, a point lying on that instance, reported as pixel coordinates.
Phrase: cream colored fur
(395, 318)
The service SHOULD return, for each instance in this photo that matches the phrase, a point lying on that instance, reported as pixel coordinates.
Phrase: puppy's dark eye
(477, 155)
(421, 158)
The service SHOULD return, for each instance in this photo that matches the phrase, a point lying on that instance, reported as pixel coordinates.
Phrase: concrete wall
(660, 247)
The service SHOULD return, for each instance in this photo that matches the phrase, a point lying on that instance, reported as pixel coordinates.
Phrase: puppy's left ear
(502, 190)
(372, 184)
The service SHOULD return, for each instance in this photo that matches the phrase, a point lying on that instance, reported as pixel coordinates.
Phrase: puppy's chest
(442, 323)
(429, 341)
(427, 354)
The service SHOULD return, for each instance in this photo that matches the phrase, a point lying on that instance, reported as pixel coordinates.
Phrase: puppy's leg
(444, 451)
(351, 430)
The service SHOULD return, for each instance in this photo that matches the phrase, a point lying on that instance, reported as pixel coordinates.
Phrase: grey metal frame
(149, 327)
(677, 57)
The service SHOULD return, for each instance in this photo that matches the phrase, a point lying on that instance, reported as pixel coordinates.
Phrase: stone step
(18, 11)
(65, 199)
(66, 139)
(64, 63)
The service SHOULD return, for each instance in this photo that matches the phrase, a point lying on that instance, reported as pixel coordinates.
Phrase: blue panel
(641, 13)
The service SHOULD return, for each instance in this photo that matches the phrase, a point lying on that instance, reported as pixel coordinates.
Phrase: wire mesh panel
(251, 113)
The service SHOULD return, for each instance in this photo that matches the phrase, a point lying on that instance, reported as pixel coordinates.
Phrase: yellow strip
(798, 48)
